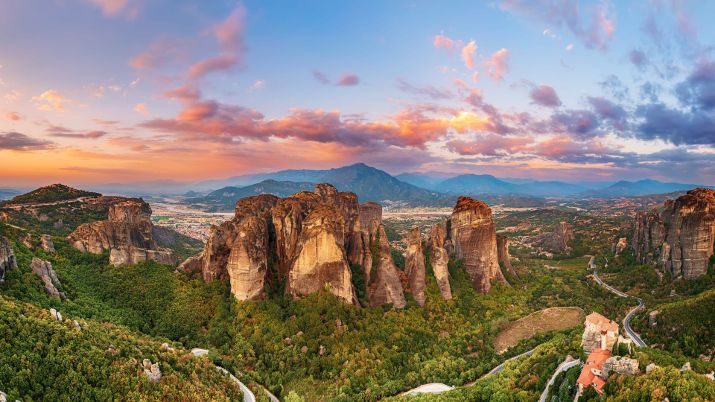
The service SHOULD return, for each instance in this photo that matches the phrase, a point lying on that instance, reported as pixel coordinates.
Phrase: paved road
(247, 394)
(436, 387)
(564, 366)
(627, 320)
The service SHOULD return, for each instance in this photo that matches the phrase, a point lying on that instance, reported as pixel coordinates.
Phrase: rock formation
(558, 241)
(439, 259)
(680, 237)
(473, 234)
(310, 238)
(43, 269)
(621, 365)
(620, 246)
(599, 333)
(46, 243)
(151, 370)
(127, 234)
(384, 285)
(321, 258)
(415, 265)
(7, 257)
(503, 254)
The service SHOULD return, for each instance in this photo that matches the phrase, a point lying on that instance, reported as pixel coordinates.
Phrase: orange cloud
(115, 8)
(498, 64)
(468, 53)
(51, 100)
(141, 109)
(14, 116)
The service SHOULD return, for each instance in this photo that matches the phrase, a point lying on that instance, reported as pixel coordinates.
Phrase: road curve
(564, 366)
(247, 394)
(627, 320)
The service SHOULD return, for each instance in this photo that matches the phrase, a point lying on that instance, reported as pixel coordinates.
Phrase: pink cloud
(468, 53)
(14, 116)
(115, 8)
(218, 63)
(498, 64)
(51, 100)
(157, 54)
(348, 80)
(443, 42)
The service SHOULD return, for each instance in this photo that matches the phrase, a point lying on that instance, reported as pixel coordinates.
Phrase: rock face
(680, 238)
(503, 254)
(473, 234)
(439, 259)
(127, 234)
(46, 243)
(621, 365)
(310, 238)
(415, 265)
(558, 241)
(7, 257)
(321, 257)
(384, 285)
(44, 270)
(151, 370)
(599, 333)
(620, 246)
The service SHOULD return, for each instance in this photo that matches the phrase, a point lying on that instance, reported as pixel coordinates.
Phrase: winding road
(564, 366)
(627, 320)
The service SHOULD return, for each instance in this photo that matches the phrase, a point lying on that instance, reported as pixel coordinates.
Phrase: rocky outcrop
(46, 243)
(620, 246)
(439, 259)
(43, 269)
(415, 265)
(321, 258)
(599, 333)
(503, 255)
(7, 257)
(310, 238)
(620, 365)
(680, 237)
(126, 234)
(384, 285)
(473, 234)
(558, 241)
(151, 370)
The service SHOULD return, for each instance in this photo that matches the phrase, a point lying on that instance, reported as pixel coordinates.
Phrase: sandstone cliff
(127, 234)
(620, 246)
(415, 265)
(473, 235)
(558, 241)
(503, 254)
(680, 238)
(46, 243)
(43, 269)
(384, 285)
(311, 238)
(439, 259)
(7, 257)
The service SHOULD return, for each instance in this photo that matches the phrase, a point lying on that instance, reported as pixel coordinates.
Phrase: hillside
(224, 199)
(368, 183)
(52, 193)
(637, 188)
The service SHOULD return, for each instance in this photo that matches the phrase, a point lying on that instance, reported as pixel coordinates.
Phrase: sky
(105, 91)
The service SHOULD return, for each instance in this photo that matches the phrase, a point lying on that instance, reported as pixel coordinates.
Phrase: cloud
(490, 145)
(441, 41)
(593, 24)
(428, 90)
(118, 8)
(258, 85)
(221, 62)
(141, 109)
(468, 53)
(545, 95)
(15, 141)
(638, 58)
(698, 89)
(13, 116)
(51, 100)
(157, 54)
(229, 35)
(569, 47)
(63, 132)
(347, 80)
(498, 64)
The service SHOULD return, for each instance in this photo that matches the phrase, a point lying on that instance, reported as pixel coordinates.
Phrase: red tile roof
(594, 365)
